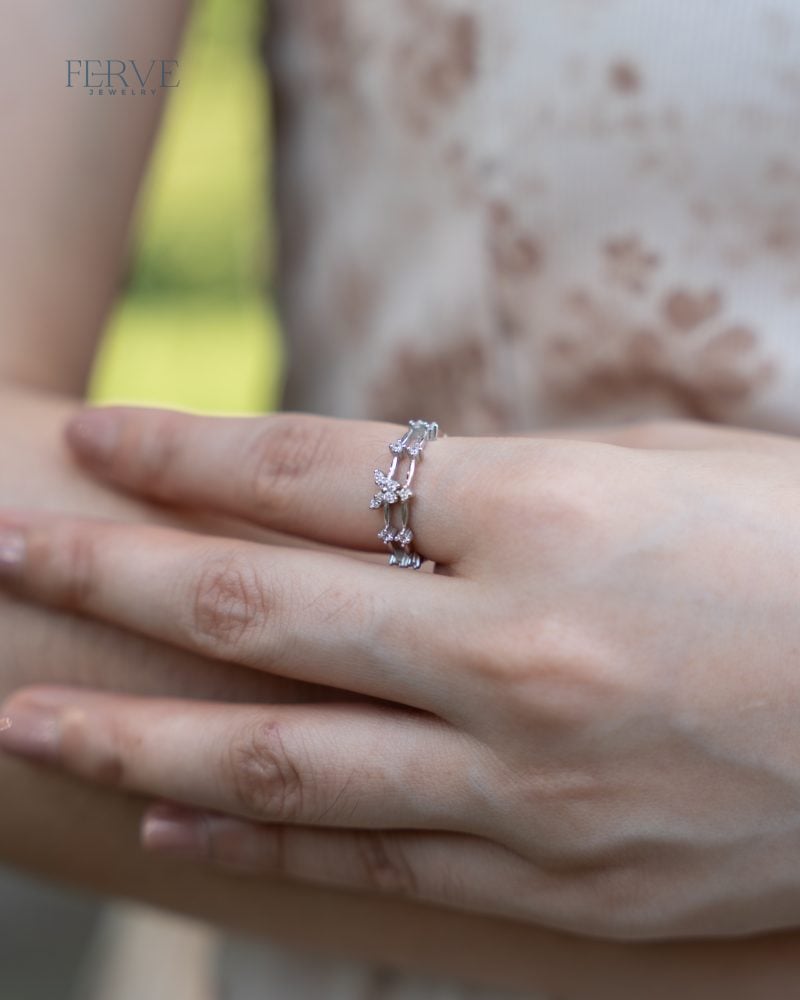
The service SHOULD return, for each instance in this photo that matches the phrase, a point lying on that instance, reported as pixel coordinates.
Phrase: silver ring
(394, 492)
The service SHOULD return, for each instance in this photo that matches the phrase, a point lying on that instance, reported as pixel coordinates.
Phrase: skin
(585, 623)
(60, 223)
(88, 836)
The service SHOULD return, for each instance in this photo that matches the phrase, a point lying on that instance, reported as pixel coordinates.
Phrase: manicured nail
(93, 434)
(31, 731)
(12, 552)
(176, 832)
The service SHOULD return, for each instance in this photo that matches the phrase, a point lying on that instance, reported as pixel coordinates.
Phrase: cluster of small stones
(391, 492)
(400, 536)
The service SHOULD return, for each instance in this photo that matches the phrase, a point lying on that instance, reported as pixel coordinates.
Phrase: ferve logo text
(122, 77)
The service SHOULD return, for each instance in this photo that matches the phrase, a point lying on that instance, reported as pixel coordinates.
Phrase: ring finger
(300, 474)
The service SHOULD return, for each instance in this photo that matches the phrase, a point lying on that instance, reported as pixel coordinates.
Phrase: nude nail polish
(174, 832)
(93, 434)
(31, 731)
(12, 552)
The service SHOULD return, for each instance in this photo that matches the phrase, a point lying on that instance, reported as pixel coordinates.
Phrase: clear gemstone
(387, 489)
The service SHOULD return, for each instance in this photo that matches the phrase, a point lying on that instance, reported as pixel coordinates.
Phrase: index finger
(300, 474)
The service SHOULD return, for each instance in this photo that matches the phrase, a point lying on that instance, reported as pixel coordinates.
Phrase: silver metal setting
(394, 492)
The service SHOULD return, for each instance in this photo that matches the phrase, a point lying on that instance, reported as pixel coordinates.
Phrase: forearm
(69, 176)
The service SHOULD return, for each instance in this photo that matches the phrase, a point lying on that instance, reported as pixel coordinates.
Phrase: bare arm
(69, 175)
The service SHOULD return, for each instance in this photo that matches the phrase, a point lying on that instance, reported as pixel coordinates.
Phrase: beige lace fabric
(513, 214)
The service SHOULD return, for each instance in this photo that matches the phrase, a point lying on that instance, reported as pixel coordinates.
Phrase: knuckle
(96, 760)
(649, 433)
(561, 510)
(265, 780)
(491, 665)
(549, 668)
(269, 853)
(549, 497)
(68, 564)
(245, 848)
(229, 606)
(283, 453)
(571, 682)
(510, 644)
(583, 899)
(500, 663)
(654, 430)
(148, 451)
(384, 863)
(618, 892)
(618, 903)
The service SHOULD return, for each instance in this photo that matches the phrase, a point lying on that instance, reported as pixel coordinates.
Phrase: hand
(585, 718)
(38, 644)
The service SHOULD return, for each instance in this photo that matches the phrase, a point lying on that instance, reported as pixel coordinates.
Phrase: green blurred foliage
(195, 328)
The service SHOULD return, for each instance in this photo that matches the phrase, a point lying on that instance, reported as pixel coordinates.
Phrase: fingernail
(12, 552)
(31, 731)
(176, 832)
(93, 434)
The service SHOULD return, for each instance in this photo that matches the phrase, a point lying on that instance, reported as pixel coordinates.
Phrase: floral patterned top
(512, 215)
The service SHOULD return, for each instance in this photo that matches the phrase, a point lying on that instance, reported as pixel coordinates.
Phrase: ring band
(392, 493)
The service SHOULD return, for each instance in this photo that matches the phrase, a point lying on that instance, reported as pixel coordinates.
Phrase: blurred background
(194, 329)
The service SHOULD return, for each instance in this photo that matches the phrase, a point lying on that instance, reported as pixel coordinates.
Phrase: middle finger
(312, 616)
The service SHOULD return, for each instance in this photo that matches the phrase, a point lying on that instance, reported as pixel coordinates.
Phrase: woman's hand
(586, 718)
